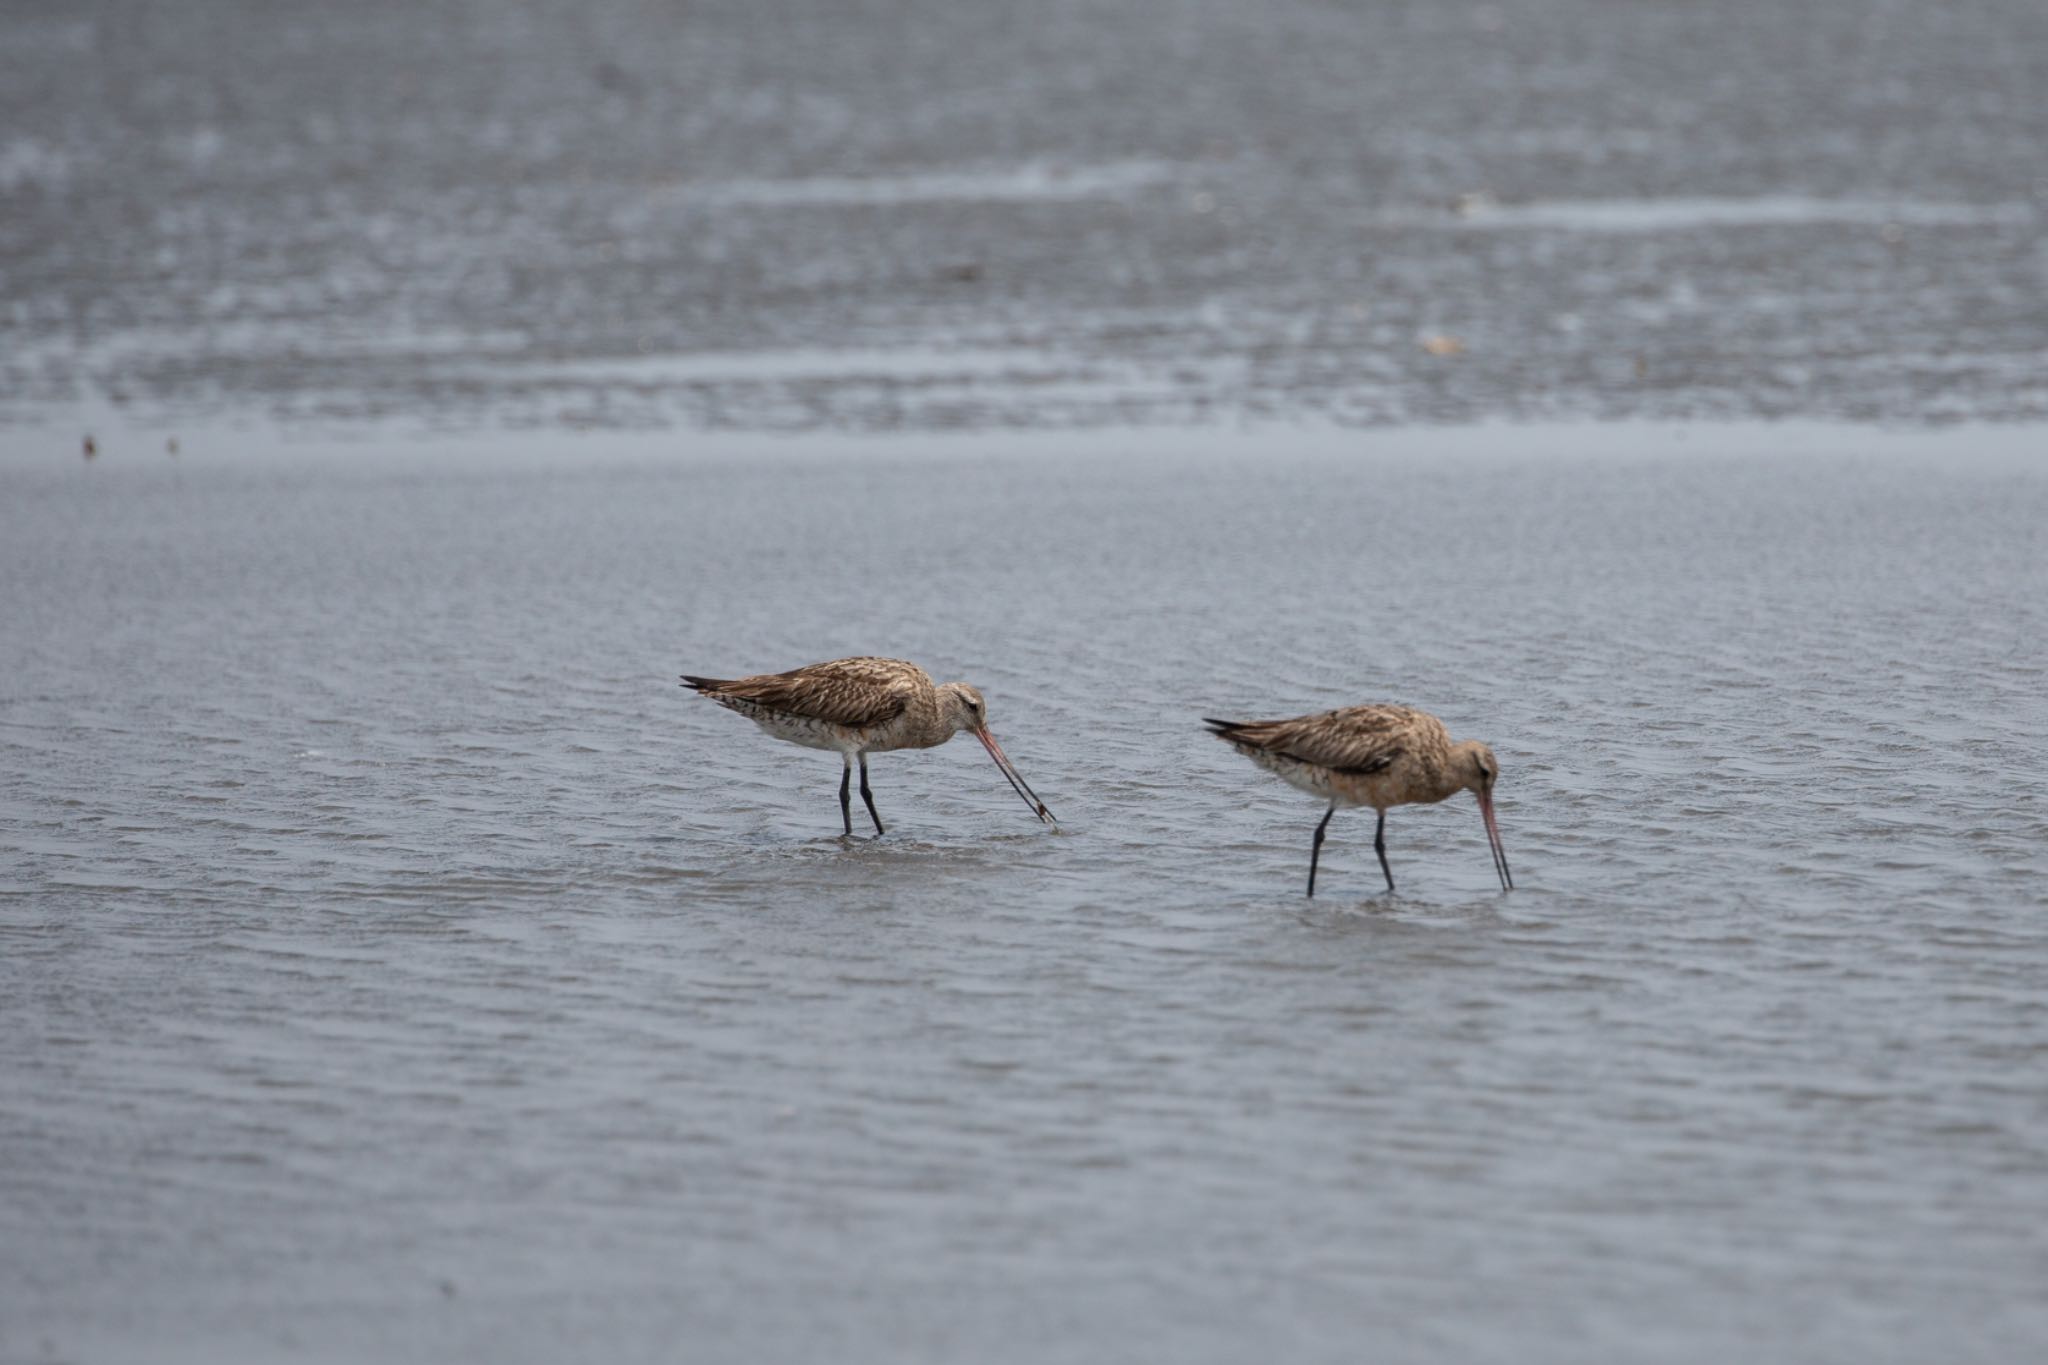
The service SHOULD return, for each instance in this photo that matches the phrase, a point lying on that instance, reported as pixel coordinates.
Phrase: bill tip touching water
(1374, 755)
(859, 706)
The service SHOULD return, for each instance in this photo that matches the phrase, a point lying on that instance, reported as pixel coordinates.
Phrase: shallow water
(398, 965)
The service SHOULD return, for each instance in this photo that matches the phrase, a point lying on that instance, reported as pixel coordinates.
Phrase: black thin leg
(1379, 846)
(867, 796)
(1315, 850)
(846, 797)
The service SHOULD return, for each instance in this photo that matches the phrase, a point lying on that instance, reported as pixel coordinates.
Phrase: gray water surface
(396, 965)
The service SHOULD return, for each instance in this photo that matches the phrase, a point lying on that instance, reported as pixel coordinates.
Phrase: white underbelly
(810, 733)
(1307, 777)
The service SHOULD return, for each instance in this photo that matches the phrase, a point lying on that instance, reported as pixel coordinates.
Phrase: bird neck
(1438, 777)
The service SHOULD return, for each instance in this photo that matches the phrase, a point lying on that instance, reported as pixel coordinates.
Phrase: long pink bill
(995, 751)
(1500, 855)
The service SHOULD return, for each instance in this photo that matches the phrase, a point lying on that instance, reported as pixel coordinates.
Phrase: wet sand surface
(397, 965)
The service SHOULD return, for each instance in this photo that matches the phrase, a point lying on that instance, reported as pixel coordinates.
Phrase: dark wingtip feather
(1221, 727)
(703, 684)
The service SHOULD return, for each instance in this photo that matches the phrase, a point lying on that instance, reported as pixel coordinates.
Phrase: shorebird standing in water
(860, 707)
(1376, 756)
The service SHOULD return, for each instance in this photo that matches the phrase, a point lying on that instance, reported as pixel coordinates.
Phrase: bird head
(1475, 766)
(965, 710)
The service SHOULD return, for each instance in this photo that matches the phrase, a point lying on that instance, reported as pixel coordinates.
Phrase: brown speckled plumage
(847, 704)
(862, 706)
(1376, 755)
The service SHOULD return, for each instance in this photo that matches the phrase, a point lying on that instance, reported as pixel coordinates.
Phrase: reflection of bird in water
(1376, 756)
(859, 707)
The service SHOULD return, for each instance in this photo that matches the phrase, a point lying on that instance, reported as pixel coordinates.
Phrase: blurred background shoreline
(922, 215)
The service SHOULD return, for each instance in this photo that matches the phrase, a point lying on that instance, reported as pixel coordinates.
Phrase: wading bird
(1376, 756)
(860, 707)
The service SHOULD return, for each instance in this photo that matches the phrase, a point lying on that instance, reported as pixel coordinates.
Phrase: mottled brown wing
(1356, 739)
(855, 692)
